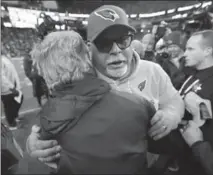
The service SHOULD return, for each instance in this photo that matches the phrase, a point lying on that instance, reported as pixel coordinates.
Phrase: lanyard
(189, 88)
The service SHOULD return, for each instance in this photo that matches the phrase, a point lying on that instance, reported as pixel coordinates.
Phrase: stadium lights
(171, 11)
(197, 5)
(192, 21)
(79, 15)
(133, 15)
(180, 16)
(205, 4)
(7, 24)
(180, 9)
(147, 15)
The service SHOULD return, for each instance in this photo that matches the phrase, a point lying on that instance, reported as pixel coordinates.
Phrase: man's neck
(206, 64)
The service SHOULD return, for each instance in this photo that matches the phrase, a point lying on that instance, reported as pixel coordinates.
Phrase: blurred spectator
(174, 64)
(11, 94)
(138, 47)
(39, 85)
(148, 42)
(16, 40)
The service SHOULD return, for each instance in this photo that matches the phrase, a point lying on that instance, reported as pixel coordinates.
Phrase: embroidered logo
(142, 85)
(107, 14)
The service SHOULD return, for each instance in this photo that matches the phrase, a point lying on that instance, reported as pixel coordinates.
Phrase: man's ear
(208, 51)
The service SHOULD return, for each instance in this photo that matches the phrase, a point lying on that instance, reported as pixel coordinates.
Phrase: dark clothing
(11, 108)
(177, 75)
(9, 153)
(28, 66)
(38, 82)
(199, 159)
(149, 56)
(100, 130)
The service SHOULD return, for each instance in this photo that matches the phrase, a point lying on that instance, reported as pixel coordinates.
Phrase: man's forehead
(194, 40)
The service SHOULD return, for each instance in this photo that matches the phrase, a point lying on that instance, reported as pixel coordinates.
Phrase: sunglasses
(104, 45)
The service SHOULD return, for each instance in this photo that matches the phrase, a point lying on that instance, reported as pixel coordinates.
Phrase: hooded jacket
(148, 80)
(101, 130)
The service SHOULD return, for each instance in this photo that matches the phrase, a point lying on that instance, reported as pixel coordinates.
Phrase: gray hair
(61, 58)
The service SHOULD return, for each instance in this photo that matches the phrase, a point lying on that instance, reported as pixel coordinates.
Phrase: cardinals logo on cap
(107, 14)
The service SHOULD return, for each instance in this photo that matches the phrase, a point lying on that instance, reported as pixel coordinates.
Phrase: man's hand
(14, 92)
(45, 150)
(161, 125)
(192, 133)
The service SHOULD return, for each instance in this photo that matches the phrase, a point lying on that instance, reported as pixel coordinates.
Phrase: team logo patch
(142, 85)
(107, 14)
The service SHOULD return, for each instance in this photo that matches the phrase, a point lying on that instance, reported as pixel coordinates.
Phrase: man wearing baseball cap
(109, 38)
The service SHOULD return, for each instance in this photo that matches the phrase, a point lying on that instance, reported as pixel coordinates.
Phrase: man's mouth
(117, 64)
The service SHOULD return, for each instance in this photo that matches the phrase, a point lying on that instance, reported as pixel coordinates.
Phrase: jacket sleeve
(6, 83)
(203, 152)
(170, 101)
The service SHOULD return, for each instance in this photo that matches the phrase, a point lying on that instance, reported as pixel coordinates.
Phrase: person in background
(148, 42)
(11, 95)
(38, 83)
(174, 64)
(138, 47)
(198, 158)
(109, 38)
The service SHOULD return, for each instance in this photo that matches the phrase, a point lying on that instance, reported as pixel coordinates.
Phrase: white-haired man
(110, 36)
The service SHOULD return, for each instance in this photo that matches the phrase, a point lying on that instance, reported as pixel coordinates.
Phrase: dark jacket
(10, 155)
(38, 82)
(199, 159)
(177, 75)
(101, 131)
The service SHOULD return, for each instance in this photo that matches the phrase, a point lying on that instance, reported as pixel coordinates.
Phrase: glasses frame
(107, 50)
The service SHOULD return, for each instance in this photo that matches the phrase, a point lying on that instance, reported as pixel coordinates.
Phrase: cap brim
(132, 29)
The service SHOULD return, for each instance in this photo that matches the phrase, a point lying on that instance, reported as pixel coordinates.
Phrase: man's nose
(115, 49)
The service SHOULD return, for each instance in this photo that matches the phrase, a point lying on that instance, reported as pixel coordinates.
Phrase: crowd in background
(16, 41)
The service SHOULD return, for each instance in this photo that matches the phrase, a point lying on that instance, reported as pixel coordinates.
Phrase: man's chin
(116, 74)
